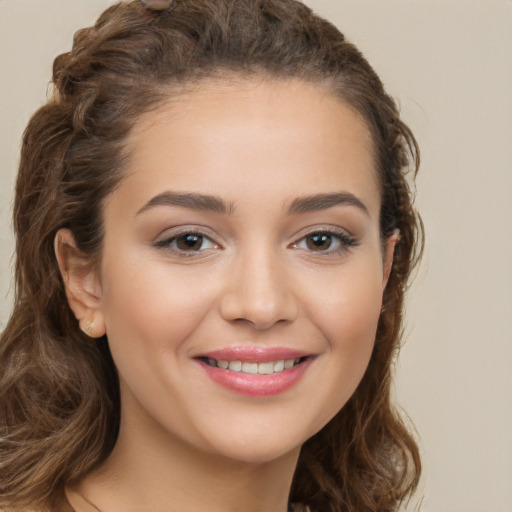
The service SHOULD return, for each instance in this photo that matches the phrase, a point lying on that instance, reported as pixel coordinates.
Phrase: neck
(150, 470)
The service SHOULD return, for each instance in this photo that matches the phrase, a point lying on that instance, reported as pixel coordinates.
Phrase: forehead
(262, 135)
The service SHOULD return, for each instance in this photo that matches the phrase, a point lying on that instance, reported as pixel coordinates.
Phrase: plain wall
(449, 64)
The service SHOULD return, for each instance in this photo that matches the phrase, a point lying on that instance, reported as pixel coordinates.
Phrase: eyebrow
(189, 200)
(204, 202)
(320, 202)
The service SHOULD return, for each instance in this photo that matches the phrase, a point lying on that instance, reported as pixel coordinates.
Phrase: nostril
(258, 294)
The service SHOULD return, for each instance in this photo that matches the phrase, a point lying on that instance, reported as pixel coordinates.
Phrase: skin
(158, 5)
(186, 443)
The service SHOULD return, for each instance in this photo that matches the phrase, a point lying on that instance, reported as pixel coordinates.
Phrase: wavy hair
(59, 397)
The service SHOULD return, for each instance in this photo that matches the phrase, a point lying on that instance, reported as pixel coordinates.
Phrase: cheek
(347, 317)
(350, 332)
(349, 307)
(153, 306)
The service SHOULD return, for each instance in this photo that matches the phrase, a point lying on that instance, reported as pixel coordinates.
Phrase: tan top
(75, 499)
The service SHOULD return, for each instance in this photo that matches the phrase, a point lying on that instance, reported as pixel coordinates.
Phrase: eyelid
(347, 240)
(164, 240)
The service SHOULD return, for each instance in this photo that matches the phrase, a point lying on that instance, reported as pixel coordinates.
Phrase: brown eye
(319, 242)
(189, 242)
(326, 242)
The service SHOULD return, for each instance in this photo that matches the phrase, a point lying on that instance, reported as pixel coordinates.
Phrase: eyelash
(345, 242)
(167, 243)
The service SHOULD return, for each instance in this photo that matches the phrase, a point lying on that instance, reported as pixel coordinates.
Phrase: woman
(214, 235)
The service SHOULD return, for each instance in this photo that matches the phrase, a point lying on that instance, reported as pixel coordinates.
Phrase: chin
(257, 453)
(259, 444)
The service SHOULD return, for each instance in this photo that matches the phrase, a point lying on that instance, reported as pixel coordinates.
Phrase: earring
(86, 328)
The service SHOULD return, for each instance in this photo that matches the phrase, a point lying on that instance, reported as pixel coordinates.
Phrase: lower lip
(255, 384)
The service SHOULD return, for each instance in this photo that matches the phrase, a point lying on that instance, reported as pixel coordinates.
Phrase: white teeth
(235, 366)
(251, 368)
(267, 368)
(278, 366)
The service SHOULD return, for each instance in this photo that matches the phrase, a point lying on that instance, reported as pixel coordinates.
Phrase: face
(242, 272)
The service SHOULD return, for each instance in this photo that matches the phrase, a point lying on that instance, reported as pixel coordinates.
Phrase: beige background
(450, 65)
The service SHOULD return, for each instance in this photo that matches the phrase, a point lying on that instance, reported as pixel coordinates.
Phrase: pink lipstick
(255, 371)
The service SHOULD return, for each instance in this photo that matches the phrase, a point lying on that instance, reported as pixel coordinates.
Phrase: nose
(259, 292)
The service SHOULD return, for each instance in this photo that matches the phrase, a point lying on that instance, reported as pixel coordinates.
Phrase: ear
(388, 256)
(81, 283)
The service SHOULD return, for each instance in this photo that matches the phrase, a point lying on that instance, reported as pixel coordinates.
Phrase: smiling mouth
(252, 368)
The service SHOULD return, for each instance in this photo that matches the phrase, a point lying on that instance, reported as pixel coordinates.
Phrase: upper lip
(254, 354)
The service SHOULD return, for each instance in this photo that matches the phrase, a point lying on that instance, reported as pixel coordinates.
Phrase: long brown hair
(59, 398)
